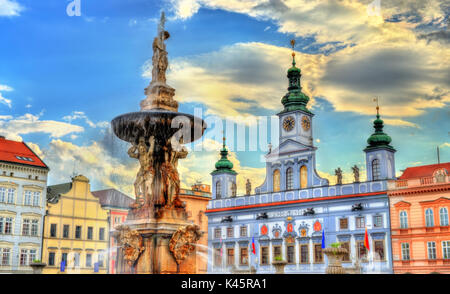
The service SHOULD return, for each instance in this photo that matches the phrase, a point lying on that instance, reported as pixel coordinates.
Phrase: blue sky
(62, 79)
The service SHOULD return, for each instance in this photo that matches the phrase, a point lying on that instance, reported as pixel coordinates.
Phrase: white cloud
(81, 115)
(10, 8)
(12, 127)
(93, 161)
(5, 88)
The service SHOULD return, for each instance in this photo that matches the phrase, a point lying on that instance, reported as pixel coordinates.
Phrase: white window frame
(429, 218)
(405, 251)
(443, 216)
(445, 249)
(403, 218)
(431, 249)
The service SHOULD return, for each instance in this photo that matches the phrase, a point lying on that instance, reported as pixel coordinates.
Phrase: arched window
(403, 220)
(289, 179)
(218, 190)
(276, 180)
(303, 177)
(376, 174)
(443, 216)
(429, 219)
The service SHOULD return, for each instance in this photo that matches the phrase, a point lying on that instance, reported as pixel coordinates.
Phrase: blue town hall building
(287, 215)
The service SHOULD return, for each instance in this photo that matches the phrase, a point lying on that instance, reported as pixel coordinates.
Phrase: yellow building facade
(75, 230)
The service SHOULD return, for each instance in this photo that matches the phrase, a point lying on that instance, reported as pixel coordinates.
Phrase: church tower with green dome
(380, 161)
(224, 177)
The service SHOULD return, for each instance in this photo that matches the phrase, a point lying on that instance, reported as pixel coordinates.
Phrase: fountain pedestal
(335, 256)
(161, 246)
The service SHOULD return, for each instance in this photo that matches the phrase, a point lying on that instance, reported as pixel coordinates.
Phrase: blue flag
(323, 239)
(96, 267)
(63, 266)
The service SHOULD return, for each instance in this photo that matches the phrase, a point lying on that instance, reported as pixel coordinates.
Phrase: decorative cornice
(420, 190)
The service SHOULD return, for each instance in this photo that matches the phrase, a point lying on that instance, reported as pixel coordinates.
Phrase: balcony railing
(425, 181)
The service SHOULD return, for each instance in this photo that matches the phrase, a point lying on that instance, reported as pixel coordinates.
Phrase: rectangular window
(343, 223)
(27, 256)
(11, 193)
(52, 230)
(230, 256)
(379, 250)
(217, 257)
(230, 233)
(431, 246)
(2, 195)
(318, 255)
(264, 255)
(360, 222)
(276, 252)
(76, 259)
(361, 250)
(28, 196)
(32, 256)
(101, 258)
(5, 255)
(101, 234)
(37, 199)
(66, 231)
(290, 253)
(378, 221)
(64, 258)
(244, 256)
(8, 225)
(90, 233)
(88, 260)
(244, 231)
(78, 232)
(346, 245)
(405, 251)
(217, 233)
(51, 258)
(26, 227)
(446, 249)
(23, 257)
(304, 253)
(34, 227)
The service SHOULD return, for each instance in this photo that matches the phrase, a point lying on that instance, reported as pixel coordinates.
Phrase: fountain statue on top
(157, 238)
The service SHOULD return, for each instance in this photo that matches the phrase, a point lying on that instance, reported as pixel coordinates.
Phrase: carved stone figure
(338, 173)
(159, 60)
(355, 169)
(144, 178)
(130, 242)
(183, 242)
(248, 187)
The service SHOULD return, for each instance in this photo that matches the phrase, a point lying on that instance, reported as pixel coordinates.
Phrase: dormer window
(23, 158)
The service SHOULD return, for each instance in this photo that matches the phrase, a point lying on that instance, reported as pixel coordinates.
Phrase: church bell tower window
(276, 180)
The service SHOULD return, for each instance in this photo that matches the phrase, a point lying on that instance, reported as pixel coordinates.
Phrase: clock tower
(295, 119)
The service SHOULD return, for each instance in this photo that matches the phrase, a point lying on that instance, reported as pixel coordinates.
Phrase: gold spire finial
(378, 107)
(293, 45)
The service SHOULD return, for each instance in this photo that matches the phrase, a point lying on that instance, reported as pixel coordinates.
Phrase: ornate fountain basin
(161, 124)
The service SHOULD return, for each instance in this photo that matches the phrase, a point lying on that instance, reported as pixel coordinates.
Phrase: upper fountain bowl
(159, 123)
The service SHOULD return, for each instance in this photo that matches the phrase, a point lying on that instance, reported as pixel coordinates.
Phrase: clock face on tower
(288, 123)
(306, 124)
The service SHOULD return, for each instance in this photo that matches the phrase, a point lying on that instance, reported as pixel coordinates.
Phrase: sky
(64, 77)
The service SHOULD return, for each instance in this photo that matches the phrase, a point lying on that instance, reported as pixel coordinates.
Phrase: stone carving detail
(130, 242)
(355, 169)
(338, 173)
(183, 242)
(248, 187)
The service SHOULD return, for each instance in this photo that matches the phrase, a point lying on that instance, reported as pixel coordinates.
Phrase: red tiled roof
(19, 152)
(423, 171)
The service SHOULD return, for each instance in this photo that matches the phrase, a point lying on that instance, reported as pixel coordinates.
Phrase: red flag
(366, 240)
(253, 245)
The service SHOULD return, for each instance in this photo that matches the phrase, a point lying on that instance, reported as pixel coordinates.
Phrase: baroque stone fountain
(157, 237)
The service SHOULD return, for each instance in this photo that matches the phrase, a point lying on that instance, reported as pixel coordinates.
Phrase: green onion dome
(224, 165)
(379, 139)
(295, 99)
